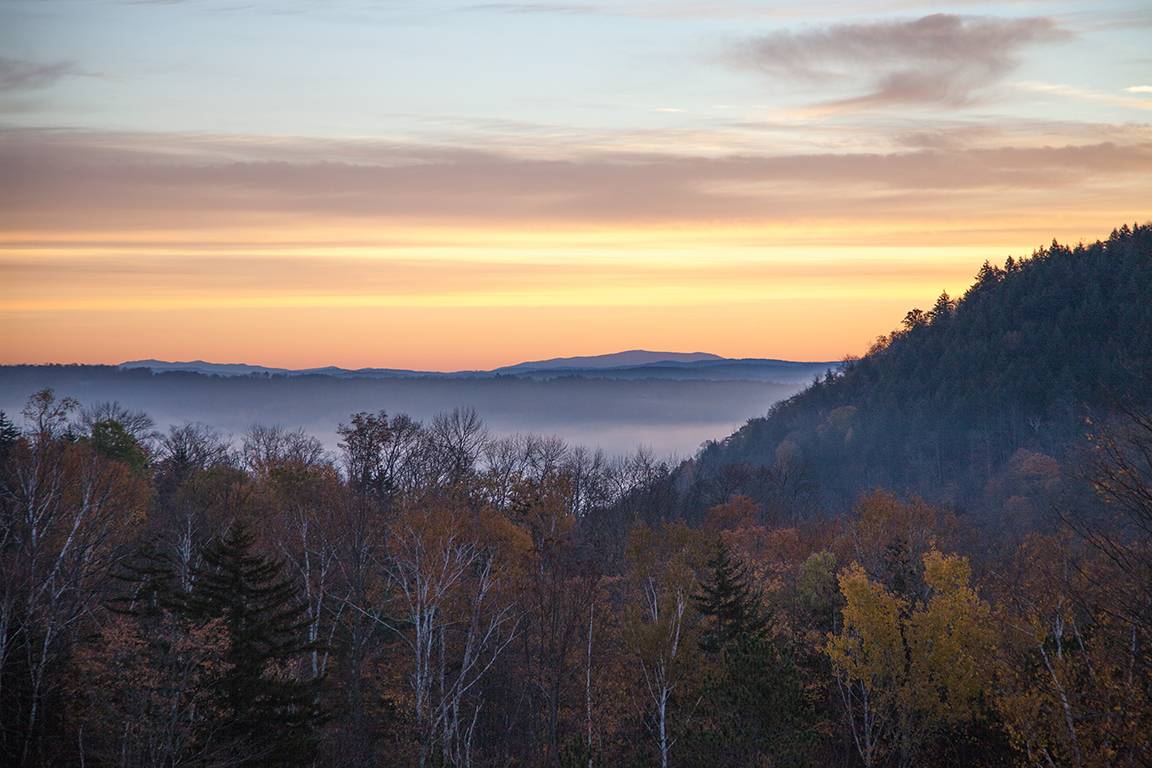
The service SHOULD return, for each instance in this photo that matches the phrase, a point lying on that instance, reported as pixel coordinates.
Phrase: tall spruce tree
(147, 584)
(9, 434)
(269, 716)
(754, 707)
(153, 704)
(728, 604)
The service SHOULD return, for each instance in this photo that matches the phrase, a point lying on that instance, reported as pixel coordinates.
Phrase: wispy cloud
(68, 180)
(942, 60)
(562, 8)
(1076, 92)
(21, 75)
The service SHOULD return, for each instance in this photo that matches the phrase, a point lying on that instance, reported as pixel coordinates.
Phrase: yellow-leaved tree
(909, 669)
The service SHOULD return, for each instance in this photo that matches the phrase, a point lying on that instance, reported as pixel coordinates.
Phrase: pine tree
(754, 706)
(9, 434)
(155, 671)
(149, 584)
(270, 718)
(728, 604)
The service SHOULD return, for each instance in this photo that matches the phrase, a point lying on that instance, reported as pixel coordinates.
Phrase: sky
(451, 185)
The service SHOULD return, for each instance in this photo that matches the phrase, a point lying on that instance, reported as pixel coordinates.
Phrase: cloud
(65, 181)
(563, 8)
(1139, 89)
(941, 60)
(20, 75)
(1072, 91)
(948, 138)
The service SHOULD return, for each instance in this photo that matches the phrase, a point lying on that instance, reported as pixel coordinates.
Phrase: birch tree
(661, 630)
(65, 512)
(454, 619)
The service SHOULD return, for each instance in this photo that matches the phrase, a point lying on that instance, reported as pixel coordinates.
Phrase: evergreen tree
(9, 434)
(270, 717)
(728, 604)
(754, 705)
(149, 585)
(156, 669)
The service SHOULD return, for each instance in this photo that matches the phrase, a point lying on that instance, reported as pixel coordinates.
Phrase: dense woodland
(434, 595)
(954, 402)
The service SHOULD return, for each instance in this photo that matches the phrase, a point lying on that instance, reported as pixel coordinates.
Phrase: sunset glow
(456, 186)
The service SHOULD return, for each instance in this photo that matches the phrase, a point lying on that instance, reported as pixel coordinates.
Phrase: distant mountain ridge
(630, 364)
(249, 369)
(627, 358)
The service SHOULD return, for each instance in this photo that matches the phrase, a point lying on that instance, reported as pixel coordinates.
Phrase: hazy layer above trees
(672, 417)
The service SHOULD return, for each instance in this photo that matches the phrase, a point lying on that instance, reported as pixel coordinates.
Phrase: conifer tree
(153, 674)
(270, 717)
(149, 584)
(754, 707)
(728, 604)
(9, 434)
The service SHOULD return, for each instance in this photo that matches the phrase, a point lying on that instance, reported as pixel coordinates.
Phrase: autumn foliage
(436, 596)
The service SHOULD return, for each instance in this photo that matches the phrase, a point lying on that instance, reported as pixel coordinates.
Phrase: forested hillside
(956, 401)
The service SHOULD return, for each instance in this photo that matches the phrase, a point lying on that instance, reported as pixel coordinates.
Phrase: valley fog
(669, 417)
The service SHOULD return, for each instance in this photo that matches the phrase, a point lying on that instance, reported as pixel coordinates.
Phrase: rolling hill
(970, 403)
(629, 365)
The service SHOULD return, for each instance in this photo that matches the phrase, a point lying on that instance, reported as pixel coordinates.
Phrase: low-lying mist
(670, 417)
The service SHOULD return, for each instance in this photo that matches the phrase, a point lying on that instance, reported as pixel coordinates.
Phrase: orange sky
(456, 306)
(116, 247)
(430, 188)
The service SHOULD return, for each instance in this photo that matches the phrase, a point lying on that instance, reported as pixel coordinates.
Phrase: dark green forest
(951, 403)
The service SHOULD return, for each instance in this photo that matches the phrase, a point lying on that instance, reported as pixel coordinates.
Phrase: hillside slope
(967, 398)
